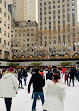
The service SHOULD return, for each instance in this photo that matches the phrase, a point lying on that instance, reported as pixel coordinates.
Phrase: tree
(36, 64)
(12, 64)
(65, 63)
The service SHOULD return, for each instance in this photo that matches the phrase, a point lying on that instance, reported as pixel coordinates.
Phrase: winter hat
(11, 69)
(36, 70)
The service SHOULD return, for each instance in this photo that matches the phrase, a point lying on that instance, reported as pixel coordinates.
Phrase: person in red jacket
(64, 70)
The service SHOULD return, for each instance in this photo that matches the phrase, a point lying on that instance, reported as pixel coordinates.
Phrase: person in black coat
(71, 76)
(58, 72)
(78, 74)
(20, 78)
(38, 83)
(24, 75)
(49, 75)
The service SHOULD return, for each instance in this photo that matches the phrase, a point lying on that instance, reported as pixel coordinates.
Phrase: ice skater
(38, 83)
(55, 93)
(8, 87)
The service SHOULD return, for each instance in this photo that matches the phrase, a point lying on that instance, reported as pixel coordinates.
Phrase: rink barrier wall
(55, 62)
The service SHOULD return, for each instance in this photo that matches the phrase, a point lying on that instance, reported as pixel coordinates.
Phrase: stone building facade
(24, 39)
(5, 30)
(57, 23)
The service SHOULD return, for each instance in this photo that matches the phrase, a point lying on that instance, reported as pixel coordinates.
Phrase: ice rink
(23, 101)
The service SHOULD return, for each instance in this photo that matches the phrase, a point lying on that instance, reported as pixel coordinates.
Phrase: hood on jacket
(8, 74)
(59, 84)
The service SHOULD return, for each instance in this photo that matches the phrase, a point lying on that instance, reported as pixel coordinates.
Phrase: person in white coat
(54, 94)
(8, 87)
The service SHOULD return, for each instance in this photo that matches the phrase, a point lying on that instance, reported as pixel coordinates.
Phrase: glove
(28, 91)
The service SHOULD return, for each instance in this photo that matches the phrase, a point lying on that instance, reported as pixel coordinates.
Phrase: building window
(4, 23)
(8, 17)
(44, 13)
(53, 6)
(53, 11)
(0, 20)
(0, 40)
(28, 34)
(58, 38)
(54, 41)
(4, 32)
(15, 35)
(8, 35)
(40, 23)
(4, 14)
(27, 45)
(58, 11)
(63, 23)
(16, 45)
(0, 10)
(49, 12)
(53, 1)
(0, 52)
(68, 18)
(8, 26)
(40, 4)
(0, 1)
(27, 29)
(40, 43)
(45, 43)
(44, 3)
(63, 16)
(15, 30)
(0, 30)
(54, 28)
(40, 9)
(4, 42)
(46, 37)
(58, 17)
(58, 1)
(31, 34)
(5, 4)
(58, 6)
(49, 7)
(53, 17)
(8, 43)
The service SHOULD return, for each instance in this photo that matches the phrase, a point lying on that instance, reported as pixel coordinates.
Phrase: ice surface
(23, 101)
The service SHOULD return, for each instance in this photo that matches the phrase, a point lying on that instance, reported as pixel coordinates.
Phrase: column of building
(5, 30)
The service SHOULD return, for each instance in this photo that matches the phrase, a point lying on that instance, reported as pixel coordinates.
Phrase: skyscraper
(21, 9)
(57, 19)
(31, 10)
(25, 9)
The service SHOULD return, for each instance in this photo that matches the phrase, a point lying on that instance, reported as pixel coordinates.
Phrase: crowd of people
(47, 85)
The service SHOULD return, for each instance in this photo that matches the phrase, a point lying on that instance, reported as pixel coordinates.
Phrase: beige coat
(54, 96)
(8, 85)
